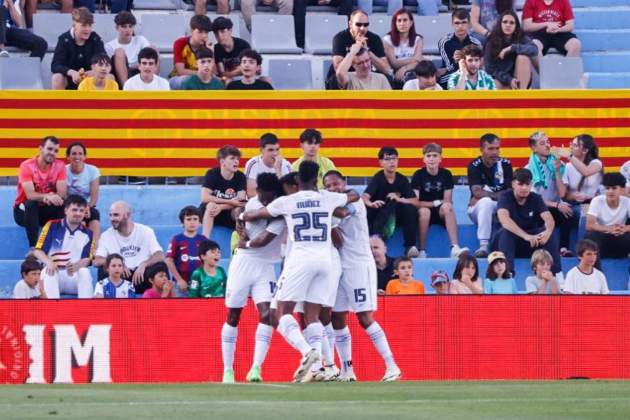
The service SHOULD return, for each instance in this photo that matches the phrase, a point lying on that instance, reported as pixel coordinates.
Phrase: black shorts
(557, 41)
(223, 219)
(435, 216)
(94, 215)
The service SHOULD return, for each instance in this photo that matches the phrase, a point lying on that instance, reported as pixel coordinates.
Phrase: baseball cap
(439, 276)
(496, 255)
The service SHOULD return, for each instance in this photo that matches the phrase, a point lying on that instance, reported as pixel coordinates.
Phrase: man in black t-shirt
(343, 41)
(526, 223)
(250, 62)
(389, 196)
(487, 176)
(227, 49)
(223, 190)
(433, 186)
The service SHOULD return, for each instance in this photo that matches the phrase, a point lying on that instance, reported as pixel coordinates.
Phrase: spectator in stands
(499, 280)
(201, 6)
(543, 281)
(204, 79)
(182, 257)
(433, 186)
(607, 219)
(440, 282)
(65, 247)
(547, 172)
(484, 16)
(74, 51)
(227, 49)
(425, 77)
(134, 241)
(470, 76)
(405, 283)
(466, 276)
(41, 189)
(210, 279)
(30, 285)
(268, 161)
(451, 45)
(185, 50)
(362, 78)
(161, 286)
(223, 190)
(509, 54)
(357, 32)
(101, 67)
(403, 46)
(250, 65)
(124, 49)
(390, 201)
(248, 8)
(384, 263)
(83, 179)
(147, 78)
(551, 24)
(585, 279)
(114, 286)
(625, 171)
(582, 178)
(13, 32)
(344, 8)
(526, 223)
(310, 142)
(488, 175)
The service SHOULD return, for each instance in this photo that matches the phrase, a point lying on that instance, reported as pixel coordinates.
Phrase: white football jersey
(272, 251)
(356, 235)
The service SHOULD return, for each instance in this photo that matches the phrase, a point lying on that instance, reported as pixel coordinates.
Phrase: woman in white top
(403, 46)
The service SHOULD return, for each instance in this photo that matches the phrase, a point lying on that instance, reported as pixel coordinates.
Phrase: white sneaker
(422, 254)
(412, 252)
(305, 365)
(318, 375)
(392, 375)
(347, 376)
(4, 54)
(456, 251)
(332, 371)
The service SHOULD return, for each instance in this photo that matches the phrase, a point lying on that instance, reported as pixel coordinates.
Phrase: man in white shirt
(585, 279)
(134, 241)
(269, 161)
(425, 77)
(147, 79)
(124, 49)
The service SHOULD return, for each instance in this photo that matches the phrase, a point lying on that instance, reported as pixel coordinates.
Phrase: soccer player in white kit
(252, 273)
(308, 214)
(357, 287)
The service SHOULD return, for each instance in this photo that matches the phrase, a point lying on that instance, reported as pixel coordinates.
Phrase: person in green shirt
(208, 280)
(204, 79)
(310, 141)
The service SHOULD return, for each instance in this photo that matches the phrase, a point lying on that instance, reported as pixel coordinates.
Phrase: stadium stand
(274, 34)
(557, 72)
(163, 29)
(290, 74)
(50, 25)
(320, 30)
(20, 73)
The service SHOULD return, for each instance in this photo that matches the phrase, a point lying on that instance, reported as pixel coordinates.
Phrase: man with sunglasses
(310, 141)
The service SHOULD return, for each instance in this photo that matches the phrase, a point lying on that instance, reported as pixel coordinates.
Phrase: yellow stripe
(42, 236)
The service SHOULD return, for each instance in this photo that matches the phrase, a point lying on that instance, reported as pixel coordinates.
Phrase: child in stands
(585, 279)
(466, 276)
(114, 286)
(30, 286)
(404, 284)
(210, 279)
(543, 281)
(499, 280)
(161, 285)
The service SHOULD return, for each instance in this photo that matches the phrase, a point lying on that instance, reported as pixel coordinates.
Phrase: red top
(44, 181)
(539, 12)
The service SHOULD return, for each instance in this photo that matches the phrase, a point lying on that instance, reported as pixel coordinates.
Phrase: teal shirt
(500, 287)
(204, 285)
(195, 83)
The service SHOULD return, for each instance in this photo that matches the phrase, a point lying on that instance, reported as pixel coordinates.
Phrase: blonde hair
(540, 256)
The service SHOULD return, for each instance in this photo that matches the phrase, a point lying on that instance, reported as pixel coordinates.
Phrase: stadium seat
(161, 30)
(558, 72)
(320, 30)
(432, 29)
(50, 25)
(274, 34)
(166, 65)
(291, 74)
(20, 73)
(157, 4)
(104, 26)
(380, 24)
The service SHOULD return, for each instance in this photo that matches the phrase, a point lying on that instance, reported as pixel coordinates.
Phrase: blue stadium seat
(20, 73)
(105, 27)
(274, 34)
(50, 25)
(320, 30)
(161, 30)
(291, 74)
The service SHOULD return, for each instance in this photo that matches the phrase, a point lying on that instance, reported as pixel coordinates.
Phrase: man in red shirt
(550, 23)
(41, 189)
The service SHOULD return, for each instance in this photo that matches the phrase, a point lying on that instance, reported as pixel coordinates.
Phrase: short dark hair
(269, 182)
(471, 50)
(387, 150)
(100, 58)
(488, 138)
(311, 135)
(30, 264)
(464, 260)
(308, 171)
(228, 150)
(249, 53)
(74, 144)
(460, 14)
(154, 269)
(268, 138)
(83, 15)
(401, 260)
(614, 180)
(289, 179)
(220, 23)
(584, 245)
(334, 172)
(52, 139)
(125, 18)
(207, 245)
(201, 23)
(113, 256)
(522, 176)
(189, 211)
(432, 148)
(74, 199)
(148, 53)
(425, 69)
(204, 52)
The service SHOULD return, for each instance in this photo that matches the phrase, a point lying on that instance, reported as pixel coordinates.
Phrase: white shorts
(79, 283)
(305, 281)
(249, 277)
(357, 288)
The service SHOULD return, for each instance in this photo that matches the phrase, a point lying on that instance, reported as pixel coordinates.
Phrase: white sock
(483, 242)
(228, 345)
(377, 335)
(343, 341)
(313, 334)
(290, 330)
(263, 340)
(325, 360)
(330, 334)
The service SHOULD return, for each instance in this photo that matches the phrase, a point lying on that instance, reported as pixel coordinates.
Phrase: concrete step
(608, 62)
(604, 17)
(597, 3)
(609, 80)
(604, 39)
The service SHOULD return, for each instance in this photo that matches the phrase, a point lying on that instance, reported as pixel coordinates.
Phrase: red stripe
(489, 123)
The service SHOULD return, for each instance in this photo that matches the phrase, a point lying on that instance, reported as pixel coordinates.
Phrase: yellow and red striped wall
(178, 133)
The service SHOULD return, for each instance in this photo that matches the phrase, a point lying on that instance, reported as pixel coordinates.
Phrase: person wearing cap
(440, 282)
(227, 49)
(204, 79)
(499, 280)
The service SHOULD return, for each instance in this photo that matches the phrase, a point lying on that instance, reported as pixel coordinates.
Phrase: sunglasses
(361, 24)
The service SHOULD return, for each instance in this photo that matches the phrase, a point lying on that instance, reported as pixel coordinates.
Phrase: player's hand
(504, 52)
(457, 55)
(565, 209)
(51, 268)
(376, 204)
(138, 275)
(183, 286)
